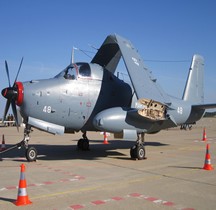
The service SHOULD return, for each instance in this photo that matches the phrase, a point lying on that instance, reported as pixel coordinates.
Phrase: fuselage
(88, 97)
(83, 95)
(72, 98)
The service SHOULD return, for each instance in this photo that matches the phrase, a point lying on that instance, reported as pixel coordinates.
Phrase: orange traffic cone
(207, 164)
(3, 147)
(105, 138)
(204, 135)
(22, 197)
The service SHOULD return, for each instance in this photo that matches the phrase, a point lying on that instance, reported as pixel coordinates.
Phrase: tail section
(194, 91)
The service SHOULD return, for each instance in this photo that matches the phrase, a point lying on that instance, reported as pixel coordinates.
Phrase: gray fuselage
(73, 100)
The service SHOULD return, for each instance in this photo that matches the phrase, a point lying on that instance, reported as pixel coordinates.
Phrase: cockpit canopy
(76, 70)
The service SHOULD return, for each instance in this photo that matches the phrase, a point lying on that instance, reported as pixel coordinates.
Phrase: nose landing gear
(31, 152)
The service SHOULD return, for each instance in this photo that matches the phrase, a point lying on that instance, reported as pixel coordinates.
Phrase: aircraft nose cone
(4, 92)
(9, 93)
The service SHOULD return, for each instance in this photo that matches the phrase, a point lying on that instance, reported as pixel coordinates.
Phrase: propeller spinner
(14, 94)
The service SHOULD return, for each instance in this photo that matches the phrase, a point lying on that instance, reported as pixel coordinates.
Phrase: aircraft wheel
(140, 152)
(80, 143)
(133, 152)
(31, 154)
(85, 144)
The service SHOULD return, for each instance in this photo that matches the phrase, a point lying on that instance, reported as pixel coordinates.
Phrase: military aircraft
(89, 97)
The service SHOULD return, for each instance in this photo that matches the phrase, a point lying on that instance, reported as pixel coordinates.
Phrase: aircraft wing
(144, 84)
(108, 55)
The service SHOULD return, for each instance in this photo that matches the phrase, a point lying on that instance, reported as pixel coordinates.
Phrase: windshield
(70, 73)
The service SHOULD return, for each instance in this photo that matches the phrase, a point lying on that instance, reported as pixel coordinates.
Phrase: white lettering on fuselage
(47, 109)
(180, 110)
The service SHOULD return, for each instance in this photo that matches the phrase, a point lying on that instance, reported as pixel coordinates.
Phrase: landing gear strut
(138, 150)
(83, 144)
(31, 152)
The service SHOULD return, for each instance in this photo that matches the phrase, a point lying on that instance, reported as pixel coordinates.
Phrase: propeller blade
(11, 94)
(18, 71)
(6, 109)
(7, 71)
(13, 105)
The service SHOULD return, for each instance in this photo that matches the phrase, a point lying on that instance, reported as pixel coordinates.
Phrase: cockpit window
(84, 69)
(76, 70)
(70, 73)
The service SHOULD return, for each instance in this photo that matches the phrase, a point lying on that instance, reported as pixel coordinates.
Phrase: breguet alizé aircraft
(89, 97)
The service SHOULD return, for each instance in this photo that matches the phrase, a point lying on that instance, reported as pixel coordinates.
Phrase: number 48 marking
(47, 109)
(180, 110)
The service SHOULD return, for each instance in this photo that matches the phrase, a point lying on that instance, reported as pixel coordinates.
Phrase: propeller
(13, 94)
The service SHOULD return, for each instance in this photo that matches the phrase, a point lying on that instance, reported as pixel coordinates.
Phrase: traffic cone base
(105, 139)
(208, 167)
(105, 142)
(22, 197)
(207, 164)
(22, 200)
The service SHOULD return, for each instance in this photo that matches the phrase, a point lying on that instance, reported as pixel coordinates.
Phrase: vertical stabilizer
(194, 91)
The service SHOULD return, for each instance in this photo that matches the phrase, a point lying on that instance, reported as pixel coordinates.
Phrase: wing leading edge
(108, 55)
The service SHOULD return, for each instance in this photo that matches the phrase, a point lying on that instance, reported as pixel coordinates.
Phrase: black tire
(140, 152)
(31, 154)
(80, 143)
(85, 145)
(133, 152)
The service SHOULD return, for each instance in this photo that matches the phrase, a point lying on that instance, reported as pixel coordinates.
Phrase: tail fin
(194, 91)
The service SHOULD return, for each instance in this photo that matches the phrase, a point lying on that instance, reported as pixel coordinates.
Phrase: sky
(166, 33)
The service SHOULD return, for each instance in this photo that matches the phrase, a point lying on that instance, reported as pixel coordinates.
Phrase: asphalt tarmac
(105, 177)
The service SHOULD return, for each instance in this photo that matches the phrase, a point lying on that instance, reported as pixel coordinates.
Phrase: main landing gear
(83, 144)
(138, 150)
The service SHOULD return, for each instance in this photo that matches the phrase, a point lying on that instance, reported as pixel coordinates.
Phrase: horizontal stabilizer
(204, 106)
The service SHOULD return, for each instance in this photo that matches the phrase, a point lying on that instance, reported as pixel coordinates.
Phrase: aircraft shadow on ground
(186, 167)
(66, 152)
(7, 199)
